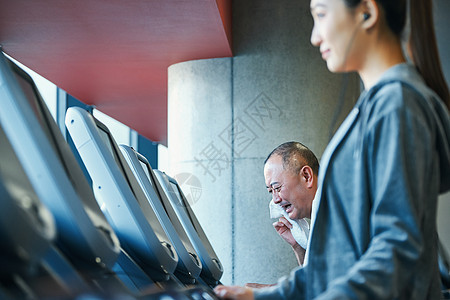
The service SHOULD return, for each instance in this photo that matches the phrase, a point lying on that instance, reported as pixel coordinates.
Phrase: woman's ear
(370, 13)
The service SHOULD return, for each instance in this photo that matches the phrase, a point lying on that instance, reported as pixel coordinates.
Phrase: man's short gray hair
(295, 156)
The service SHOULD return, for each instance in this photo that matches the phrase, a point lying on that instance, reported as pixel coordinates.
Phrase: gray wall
(226, 115)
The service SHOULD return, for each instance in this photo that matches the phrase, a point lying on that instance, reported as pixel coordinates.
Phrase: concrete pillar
(227, 114)
(199, 106)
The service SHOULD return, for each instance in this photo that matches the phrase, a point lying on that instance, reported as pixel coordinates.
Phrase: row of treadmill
(131, 234)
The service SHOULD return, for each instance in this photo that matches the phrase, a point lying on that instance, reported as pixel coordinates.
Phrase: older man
(290, 173)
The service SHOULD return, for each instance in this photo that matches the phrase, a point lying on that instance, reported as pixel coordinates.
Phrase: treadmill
(189, 265)
(121, 199)
(27, 227)
(86, 249)
(212, 268)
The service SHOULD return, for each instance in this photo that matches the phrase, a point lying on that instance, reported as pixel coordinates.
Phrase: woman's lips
(325, 54)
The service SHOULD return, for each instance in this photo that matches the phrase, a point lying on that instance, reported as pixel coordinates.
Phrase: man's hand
(283, 228)
(234, 292)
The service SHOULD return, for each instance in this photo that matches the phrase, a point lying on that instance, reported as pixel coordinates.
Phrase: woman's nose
(315, 38)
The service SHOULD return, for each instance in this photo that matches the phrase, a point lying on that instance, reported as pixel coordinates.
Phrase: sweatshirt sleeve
(288, 287)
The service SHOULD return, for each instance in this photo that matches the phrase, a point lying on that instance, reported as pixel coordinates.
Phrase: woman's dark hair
(422, 41)
(423, 46)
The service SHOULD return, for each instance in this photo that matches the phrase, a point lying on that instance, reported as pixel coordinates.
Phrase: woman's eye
(318, 14)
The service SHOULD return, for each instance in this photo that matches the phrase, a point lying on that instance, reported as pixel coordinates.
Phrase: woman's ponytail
(423, 48)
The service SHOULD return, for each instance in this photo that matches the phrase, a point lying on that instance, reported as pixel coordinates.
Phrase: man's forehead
(275, 160)
(273, 171)
(273, 165)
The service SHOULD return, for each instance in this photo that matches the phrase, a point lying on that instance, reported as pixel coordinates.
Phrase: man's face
(288, 190)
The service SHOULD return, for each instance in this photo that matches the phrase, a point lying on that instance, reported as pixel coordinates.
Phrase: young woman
(374, 225)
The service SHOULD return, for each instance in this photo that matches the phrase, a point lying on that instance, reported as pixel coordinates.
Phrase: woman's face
(335, 32)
